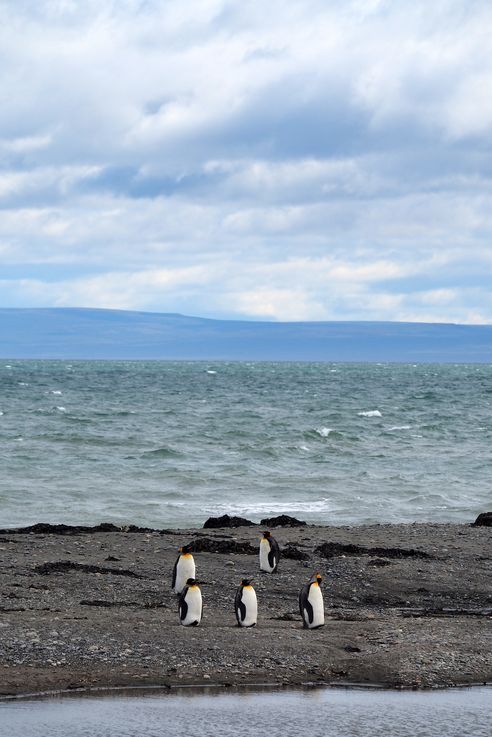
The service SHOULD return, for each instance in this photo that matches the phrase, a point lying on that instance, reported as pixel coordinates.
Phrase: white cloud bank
(331, 162)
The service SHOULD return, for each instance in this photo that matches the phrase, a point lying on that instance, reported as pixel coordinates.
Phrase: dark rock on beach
(226, 521)
(483, 520)
(407, 606)
(282, 520)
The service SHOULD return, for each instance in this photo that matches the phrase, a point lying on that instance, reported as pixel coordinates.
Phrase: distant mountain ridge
(83, 333)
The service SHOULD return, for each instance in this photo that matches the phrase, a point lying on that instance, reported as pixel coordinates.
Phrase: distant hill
(111, 334)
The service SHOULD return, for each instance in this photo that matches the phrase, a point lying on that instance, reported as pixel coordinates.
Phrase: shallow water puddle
(317, 712)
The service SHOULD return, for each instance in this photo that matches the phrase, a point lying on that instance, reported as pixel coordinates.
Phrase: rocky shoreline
(407, 606)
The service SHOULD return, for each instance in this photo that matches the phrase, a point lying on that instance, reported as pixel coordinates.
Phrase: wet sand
(407, 606)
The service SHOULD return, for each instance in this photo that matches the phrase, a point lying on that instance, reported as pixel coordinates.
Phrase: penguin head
(267, 534)
(246, 582)
(186, 549)
(192, 582)
(316, 578)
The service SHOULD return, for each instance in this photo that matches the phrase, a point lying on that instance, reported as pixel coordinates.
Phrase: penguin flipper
(308, 614)
(239, 606)
(183, 606)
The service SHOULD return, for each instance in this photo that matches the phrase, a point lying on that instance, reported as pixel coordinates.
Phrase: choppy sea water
(317, 713)
(169, 443)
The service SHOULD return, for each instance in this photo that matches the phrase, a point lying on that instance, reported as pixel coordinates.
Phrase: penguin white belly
(184, 570)
(250, 602)
(315, 598)
(194, 603)
(264, 551)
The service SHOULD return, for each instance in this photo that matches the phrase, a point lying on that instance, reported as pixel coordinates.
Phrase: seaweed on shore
(210, 545)
(45, 528)
(63, 566)
(332, 550)
(290, 551)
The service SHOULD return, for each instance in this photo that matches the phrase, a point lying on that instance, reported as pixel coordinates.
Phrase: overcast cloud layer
(291, 160)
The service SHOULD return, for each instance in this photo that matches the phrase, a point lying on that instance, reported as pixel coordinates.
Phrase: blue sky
(310, 160)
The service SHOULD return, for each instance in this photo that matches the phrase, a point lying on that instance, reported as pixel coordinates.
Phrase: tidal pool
(315, 712)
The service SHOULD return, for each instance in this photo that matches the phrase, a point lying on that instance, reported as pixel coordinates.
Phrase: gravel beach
(407, 606)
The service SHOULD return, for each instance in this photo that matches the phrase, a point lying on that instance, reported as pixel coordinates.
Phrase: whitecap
(399, 427)
(265, 508)
(370, 413)
(211, 372)
(1, 413)
(301, 447)
(56, 392)
(62, 409)
(22, 383)
(324, 431)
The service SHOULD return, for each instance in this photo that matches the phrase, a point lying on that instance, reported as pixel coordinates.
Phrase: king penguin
(269, 553)
(190, 604)
(184, 568)
(311, 603)
(246, 605)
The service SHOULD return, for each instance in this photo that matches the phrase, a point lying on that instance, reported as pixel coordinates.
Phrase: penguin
(246, 605)
(269, 553)
(311, 603)
(184, 568)
(190, 604)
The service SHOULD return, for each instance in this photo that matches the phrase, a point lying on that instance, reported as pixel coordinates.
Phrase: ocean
(167, 444)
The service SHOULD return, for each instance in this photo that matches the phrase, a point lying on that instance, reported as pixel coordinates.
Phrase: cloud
(193, 157)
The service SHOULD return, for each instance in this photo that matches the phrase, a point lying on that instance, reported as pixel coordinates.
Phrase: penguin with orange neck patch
(190, 604)
(311, 603)
(184, 568)
(269, 553)
(246, 605)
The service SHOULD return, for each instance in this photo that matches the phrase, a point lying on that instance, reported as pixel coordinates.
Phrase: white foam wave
(324, 431)
(1, 413)
(399, 427)
(370, 413)
(262, 508)
(62, 409)
(22, 383)
(211, 372)
(57, 392)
